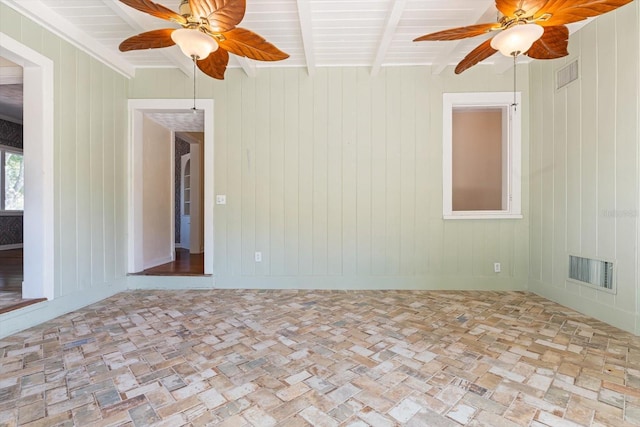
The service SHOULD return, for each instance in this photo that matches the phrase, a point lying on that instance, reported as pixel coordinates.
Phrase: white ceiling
(315, 33)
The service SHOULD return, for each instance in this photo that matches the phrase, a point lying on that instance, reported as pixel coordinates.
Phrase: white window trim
(513, 155)
(7, 149)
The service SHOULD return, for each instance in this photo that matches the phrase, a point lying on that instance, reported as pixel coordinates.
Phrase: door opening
(200, 161)
(38, 214)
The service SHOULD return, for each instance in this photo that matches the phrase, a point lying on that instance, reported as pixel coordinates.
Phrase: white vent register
(592, 272)
(567, 74)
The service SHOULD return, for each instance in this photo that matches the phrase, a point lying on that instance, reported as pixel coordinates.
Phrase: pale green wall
(337, 180)
(584, 168)
(90, 138)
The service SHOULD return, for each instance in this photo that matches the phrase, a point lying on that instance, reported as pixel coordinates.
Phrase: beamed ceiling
(315, 33)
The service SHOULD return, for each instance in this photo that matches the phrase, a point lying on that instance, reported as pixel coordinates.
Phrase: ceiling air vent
(567, 74)
(591, 272)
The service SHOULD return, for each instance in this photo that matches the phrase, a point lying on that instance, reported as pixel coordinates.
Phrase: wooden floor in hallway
(185, 264)
(11, 277)
(321, 358)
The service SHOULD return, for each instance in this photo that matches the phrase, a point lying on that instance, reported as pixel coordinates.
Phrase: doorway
(38, 134)
(137, 218)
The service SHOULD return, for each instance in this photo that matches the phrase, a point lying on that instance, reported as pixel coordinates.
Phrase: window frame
(513, 152)
(3, 150)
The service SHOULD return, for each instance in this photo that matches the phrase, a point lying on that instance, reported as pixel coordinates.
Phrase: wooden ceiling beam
(306, 30)
(387, 36)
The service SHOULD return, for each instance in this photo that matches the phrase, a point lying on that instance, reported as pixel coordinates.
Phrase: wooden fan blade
(149, 40)
(459, 33)
(243, 42)
(157, 10)
(478, 54)
(223, 15)
(215, 64)
(552, 44)
(523, 8)
(565, 12)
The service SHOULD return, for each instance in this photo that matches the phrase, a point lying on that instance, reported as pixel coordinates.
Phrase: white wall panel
(585, 145)
(337, 180)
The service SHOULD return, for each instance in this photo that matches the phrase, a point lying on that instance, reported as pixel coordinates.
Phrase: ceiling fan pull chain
(514, 105)
(194, 84)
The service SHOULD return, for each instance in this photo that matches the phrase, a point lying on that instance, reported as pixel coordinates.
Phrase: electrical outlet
(258, 256)
(496, 267)
(221, 199)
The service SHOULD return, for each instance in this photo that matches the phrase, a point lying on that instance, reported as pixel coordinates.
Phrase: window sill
(11, 213)
(475, 215)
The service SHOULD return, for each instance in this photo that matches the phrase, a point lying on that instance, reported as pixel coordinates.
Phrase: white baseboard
(14, 246)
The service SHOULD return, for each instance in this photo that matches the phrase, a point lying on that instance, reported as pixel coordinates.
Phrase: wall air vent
(592, 272)
(567, 74)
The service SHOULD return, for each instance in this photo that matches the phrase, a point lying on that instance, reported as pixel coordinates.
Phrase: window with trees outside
(12, 180)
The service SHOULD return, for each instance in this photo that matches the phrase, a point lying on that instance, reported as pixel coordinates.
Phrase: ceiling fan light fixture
(194, 43)
(517, 40)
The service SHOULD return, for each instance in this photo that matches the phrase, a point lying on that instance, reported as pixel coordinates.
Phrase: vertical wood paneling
(547, 169)
(379, 175)
(393, 154)
(305, 178)
(428, 164)
(335, 128)
(336, 179)
(249, 161)
(108, 176)
(407, 173)
(535, 178)
(349, 172)
(559, 263)
(68, 173)
(596, 119)
(606, 136)
(320, 173)
(574, 170)
(96, 173)
(83, 161)
(364, 183)
(262, 216)
(228, 132)
(276, 181)
(589, 139)
(291, 167)
(225, 174)
(627, 178)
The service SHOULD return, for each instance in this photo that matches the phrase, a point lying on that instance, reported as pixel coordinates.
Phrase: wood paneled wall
(90, 149)
(337, 180)
(584, 168)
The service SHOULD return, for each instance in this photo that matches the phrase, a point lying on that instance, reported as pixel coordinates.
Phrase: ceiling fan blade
(157, 10)
(565, 12)
(149, 40)
(223, 15)
(243, 42)
(478, 54)
(459, 33)
(512, 8)
(552, 44)
(215, 64)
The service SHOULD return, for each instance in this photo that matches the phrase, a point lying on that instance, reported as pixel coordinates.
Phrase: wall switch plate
(496, 267)
(258, 256)
(221, 199)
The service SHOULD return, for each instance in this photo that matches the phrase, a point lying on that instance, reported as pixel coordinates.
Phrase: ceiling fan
(207, 35)
(535, 28)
